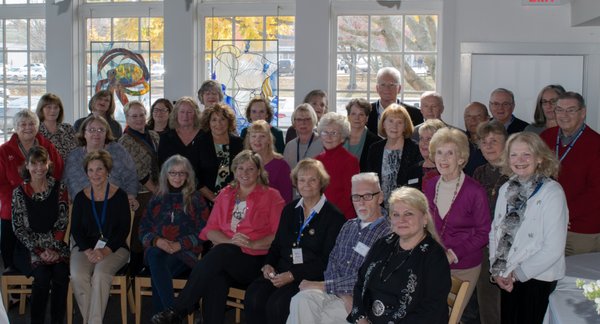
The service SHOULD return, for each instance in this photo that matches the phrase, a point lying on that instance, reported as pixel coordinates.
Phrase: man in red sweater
(577, 147)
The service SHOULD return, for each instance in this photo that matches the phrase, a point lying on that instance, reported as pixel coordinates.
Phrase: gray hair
(504, 90)
(189, 187)
(26, 114)
(333, 118)
(391, 71)
(369, 177)
(431, 125)
(434, 95)
(308, 109)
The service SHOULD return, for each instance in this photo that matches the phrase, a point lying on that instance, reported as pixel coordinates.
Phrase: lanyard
(312, 136)
(562, 157)
(304, 225)
(100, 222)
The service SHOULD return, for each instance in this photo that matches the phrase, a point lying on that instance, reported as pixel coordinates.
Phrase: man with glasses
(388, 87)
(330, 301)
(577, 146)
(502, 105)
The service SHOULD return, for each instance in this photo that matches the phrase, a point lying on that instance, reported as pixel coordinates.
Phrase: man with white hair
(388, 87)
(432, 107)
(330, 301)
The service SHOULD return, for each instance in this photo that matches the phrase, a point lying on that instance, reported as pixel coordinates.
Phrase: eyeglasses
(551, 102)
(302, 120)
(365, 197)
(99, 130)
(332, 133)
(570, 110)
(387, 85)
(177, 173)
(161, 110)
(501, 104)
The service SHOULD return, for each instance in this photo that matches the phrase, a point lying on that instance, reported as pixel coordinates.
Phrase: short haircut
(573, 95)
(131, 104)
(247, 155)
(92, 118)
(417, 200)
(391, 71)
(218, 108)
(311, 164)
(396, 110)
(26, 114)
(361, 103)
(433, 94)
(432, 125)
(454, 136)
(110, 112)
(491, 127)
(36, 154)
(99, 155)
(307, 108)
(50, 99)
(369, 177)
(174, 123)
(267, 106)
(504, 90)
(210, 85)
(548, 167)
(336, 119)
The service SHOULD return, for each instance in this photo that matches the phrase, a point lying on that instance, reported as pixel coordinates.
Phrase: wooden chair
(143, 287)
(456, 298)
(236, 300)
(121, 285)
(17, 283)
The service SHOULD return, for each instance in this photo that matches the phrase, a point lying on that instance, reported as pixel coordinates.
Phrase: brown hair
(49, 99)
(218, 108)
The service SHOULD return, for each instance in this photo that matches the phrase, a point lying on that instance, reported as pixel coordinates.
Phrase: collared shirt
(316, 208)
(344, 260)
(566, 140)
(507, 124)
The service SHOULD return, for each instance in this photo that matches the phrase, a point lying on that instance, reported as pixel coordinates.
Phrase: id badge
(100, 244)
(297, 256)
(361, 248)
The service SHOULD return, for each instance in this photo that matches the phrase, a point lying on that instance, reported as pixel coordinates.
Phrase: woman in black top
(305, 236)
(405, 278)
(40, 218)
(100, 226)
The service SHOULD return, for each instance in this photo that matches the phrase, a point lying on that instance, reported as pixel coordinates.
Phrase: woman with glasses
(159, 116)
(260, 109)
(390, 158)
(529, 231)
(210, 93)
(360, 138)
(102, 104)
(458, 205)
(300, 250)
(544, 116)
(308, 143)
(419, 174)
(241, 226)
(340, 164)
(12, 157)
(50, 111)
(317, 99)
(169, 229)
(94, 135)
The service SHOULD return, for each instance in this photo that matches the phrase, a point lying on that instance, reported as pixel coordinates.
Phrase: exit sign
(543, 2)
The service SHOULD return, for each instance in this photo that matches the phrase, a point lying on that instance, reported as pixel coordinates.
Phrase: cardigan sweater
(538, 248)
(341, 166)
(208, 164)
(466, 227)
(143, 152)
(579, 176)
(170, 144)
(263, 210)
(11, 159)
(279, 177)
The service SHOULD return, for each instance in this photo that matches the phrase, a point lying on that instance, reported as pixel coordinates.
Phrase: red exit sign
(542, 2)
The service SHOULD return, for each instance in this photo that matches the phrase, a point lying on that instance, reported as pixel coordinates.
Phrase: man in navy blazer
(388, 87)
(502, 105)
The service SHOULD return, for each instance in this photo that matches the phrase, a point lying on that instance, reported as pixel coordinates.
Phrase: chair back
(456, 298)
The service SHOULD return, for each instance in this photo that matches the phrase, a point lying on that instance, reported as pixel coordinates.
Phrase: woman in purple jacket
(459, 206)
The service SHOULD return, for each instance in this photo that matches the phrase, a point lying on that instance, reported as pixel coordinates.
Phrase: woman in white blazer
(528, 235)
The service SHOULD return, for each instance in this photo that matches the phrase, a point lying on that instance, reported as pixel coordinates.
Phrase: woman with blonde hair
(259, 139)
(405, 278)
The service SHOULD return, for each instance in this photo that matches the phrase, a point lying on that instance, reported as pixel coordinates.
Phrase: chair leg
(70, 304)
(123, 293)
(22, 301)
(4, 292)
(138, 302)
(130, 299)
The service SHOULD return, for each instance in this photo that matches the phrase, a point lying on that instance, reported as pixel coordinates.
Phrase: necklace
(393, 254)
(435, 200)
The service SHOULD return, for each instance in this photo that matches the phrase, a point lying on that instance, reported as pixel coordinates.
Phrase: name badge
(413, 181)
(361, 248)
(297, 256)
(100, 244)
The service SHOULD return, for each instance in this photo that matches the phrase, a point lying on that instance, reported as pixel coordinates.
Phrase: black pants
(264, 303)
(53, 277)
(211, 278)
(526, 303)
(7, 243)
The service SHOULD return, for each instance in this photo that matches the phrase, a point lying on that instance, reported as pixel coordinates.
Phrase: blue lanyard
(312, 136)
(304, 225)
(562, 157)
(100, 222)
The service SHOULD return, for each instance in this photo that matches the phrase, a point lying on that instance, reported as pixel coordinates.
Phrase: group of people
(362, 217)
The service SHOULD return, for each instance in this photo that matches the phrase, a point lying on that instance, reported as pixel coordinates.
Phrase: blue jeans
(163, 268)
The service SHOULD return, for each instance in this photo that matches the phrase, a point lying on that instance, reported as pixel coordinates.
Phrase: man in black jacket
(388, 88)
(502, 105)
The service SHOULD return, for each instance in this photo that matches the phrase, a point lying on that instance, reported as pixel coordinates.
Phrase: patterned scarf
(517, 195)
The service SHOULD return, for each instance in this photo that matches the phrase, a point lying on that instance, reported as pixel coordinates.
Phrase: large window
(22, 68)
(258, 52)
(134, 30)
(367, 43)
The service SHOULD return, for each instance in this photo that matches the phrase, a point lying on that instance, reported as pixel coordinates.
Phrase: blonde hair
(174, 123)
(260, 126)
(311, 164)
(247, 155)
(549, 166)
(454, 136)
(417, 200)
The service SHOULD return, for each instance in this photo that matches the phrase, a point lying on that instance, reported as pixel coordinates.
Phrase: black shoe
(166, 317)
